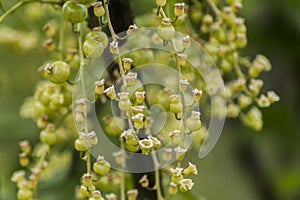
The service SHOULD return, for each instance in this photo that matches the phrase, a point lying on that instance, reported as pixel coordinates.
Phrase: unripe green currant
(161, 3)
(131, 29)
(101, 166)
(99, 10)
(81, 143)
(131, 78)
(183, 84)
(58, 72)
(114, 47)
(74, 12)
(113, 125)
(93, 48)
(156, 142)
(165, 30)
(119, 157)
(124, 102)
(175, 105)
(84, 191)
(193, 123)
(24, 194)
(97, 35)
(48, 137)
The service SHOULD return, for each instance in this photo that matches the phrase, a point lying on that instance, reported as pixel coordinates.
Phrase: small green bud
(101, 166)
(233, 110)
(18, 176)
(255, 86)
(99, 86)
(87, 180)
(114, 47)
(24, 194)
(144, 181)
(183, 84)
(197, 95)
(119, 157)
(273, 97)
(174, 136)
(253, 119)
(175, 105)
(191, 169)
(131, 78)
(111, 196)
(25, 146)
(185, 185)
(127, 63)
(146, 145)
(110, 92)
(181, 57)
(263, 101)
(92, 138)
(124, 102)
(138, 120)
(99, 10)
(84, 191)
(176, 174)
(180, 153)
(23, 159)
(130, 137)
(139, 96)
(173, 189)
(132, 194)
(193, 123)
(244, 101)
(131, 29)
(167, 154)
(186, 42)
(179, 9)
(156, 142)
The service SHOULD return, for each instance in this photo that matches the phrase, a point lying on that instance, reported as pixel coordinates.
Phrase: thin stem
(214, 7)
(157, 178)
(12, 10)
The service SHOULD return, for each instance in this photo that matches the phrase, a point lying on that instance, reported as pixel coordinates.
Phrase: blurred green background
(244, 165)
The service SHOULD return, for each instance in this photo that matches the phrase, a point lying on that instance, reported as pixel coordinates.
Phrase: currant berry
(58, 72)
(48, 137)
(74, 12)
(165, 30)
(85, 1)
(92, 48)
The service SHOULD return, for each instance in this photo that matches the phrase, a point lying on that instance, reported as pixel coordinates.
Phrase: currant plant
(185, 96)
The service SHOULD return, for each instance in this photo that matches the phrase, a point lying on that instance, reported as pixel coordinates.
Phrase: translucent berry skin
(92, 48)
(85, 1)
(59, 73)
(74, 12)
